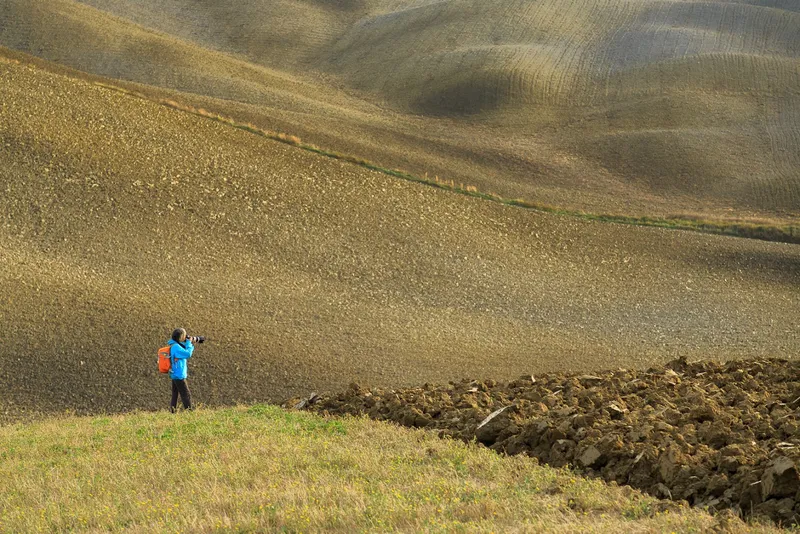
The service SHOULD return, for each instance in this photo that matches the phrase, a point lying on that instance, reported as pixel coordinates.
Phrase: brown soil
(121, 219)
(625, 107)
(717, 435)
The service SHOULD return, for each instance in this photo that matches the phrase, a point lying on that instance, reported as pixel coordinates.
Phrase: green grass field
(265, 469)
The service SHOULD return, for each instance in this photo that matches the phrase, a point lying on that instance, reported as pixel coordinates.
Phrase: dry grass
(248, 127)
(632, 108)
(260, 468)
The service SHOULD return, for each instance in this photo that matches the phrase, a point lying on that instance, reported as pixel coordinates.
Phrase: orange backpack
(164, 360)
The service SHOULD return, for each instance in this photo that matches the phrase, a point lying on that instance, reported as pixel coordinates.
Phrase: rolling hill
(122, 218)
(248, 469)
(634, 107)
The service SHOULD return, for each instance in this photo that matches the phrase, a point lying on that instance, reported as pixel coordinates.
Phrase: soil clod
(724, 436)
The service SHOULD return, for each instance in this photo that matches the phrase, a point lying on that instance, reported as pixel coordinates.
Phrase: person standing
(181, 349)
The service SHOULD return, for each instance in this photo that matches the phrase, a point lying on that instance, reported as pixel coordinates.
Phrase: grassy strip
(262, 468)
(765, 232)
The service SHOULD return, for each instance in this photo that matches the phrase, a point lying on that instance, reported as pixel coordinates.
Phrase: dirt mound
(720, 436)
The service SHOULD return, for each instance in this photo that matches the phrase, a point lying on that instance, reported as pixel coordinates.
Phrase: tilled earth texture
(121, 219)
(718, 435)
(622, 106)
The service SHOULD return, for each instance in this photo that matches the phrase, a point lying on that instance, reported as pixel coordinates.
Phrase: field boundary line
(766, 232)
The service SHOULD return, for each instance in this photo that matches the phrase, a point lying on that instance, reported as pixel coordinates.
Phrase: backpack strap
(171, 357)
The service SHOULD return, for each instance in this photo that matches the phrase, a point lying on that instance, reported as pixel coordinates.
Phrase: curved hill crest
(528, 99)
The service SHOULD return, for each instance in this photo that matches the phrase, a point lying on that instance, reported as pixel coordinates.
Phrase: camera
(196, 339)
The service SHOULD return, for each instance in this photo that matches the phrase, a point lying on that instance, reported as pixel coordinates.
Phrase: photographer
(181, 349)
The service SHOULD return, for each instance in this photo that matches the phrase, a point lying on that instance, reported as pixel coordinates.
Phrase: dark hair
(177, 333)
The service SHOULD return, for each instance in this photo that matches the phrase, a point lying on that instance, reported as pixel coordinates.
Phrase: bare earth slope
(648, 108)
(122, 219)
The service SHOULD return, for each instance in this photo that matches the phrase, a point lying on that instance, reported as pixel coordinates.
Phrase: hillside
(122, 219)
(635, 107)
(717, 436)
(262, 469)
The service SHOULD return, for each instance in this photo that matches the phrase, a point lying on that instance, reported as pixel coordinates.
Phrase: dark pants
(180, 386)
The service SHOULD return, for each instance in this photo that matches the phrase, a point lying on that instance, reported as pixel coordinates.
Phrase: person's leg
(174, 402)
(186, 395)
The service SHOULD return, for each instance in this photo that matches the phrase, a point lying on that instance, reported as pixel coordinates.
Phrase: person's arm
(183, 353)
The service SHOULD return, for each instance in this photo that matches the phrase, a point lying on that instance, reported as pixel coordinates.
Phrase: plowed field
(633, 107)
(713, 435)
(122, 219)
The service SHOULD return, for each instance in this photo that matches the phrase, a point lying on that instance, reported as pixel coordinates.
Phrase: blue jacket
(179, 355)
